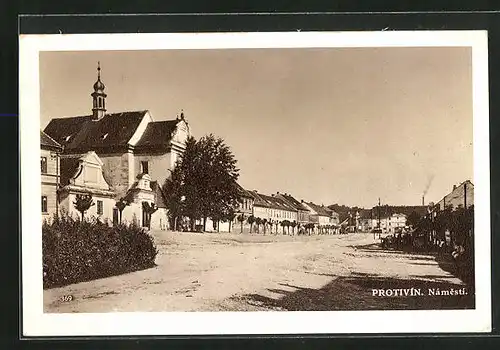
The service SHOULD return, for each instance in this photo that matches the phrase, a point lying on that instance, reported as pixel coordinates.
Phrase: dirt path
(218, 272)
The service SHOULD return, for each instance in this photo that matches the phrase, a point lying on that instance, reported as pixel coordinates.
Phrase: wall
(260, 212)
(116, 172)
(323, 220)
(49, 182)
(67, 206)
(159, 166)
(159, 220)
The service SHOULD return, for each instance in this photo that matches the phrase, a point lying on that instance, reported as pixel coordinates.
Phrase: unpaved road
(233, 272)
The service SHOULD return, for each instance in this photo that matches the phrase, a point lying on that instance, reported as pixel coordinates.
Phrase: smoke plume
(428, 185)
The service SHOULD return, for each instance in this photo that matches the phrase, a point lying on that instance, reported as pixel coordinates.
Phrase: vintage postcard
(255, 183)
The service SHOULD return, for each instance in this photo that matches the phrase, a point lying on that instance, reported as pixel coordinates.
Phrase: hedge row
(76, 251)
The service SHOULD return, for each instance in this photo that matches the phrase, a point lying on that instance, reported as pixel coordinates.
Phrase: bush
(76, 251)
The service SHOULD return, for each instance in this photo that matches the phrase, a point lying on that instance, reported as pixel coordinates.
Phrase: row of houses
(276, 208)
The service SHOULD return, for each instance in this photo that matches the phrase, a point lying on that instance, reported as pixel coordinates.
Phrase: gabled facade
(84, 175)
(132, 147)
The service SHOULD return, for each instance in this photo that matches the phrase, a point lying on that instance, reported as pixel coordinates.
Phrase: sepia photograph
(248, 179)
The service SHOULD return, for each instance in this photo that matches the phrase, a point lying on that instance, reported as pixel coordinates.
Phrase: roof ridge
(47, 135)
(90, 115)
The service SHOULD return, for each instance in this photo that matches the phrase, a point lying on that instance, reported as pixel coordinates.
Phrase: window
(145, 167)
(44, 204)
(43, 164)
(99, 208)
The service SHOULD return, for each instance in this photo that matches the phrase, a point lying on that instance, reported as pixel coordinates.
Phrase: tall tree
(173, 190)
(83, 202)
(205, 178)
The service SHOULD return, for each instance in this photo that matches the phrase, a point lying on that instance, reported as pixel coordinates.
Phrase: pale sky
(336, 125)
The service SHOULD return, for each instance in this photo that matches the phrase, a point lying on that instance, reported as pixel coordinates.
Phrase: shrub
(76, 251)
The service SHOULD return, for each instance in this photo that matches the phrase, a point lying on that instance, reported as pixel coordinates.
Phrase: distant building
(389, 224)
(302, 211)
(274, 209)
(461, 195)
(322, 217)
(243, 211)
(50, 152)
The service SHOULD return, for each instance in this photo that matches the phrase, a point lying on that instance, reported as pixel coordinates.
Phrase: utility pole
(379, 218)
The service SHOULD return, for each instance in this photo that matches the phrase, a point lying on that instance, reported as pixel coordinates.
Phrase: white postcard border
(36, 323)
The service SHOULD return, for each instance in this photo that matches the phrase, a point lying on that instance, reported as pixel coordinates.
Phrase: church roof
(48, 142)
(157, 134)
(81, 133)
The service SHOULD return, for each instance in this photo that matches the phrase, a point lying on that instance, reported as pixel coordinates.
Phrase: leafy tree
(230, 219)
(293, 224)
(413, 219)
(149, 209)
(284, 224)
(174, 189)
(83, 202)
(241, 219)
(258, 221)
(203, 184)
(121, 204)
(251, 220)
(264, 223)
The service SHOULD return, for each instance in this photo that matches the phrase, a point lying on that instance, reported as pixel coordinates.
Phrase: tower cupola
(98, 97)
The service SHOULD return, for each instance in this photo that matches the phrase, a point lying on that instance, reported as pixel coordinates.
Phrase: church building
(123, 157)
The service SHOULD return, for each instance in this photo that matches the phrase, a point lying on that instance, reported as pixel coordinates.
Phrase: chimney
(454, 187)
(423, 201)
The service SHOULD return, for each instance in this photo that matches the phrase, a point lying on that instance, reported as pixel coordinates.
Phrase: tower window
(144, 167)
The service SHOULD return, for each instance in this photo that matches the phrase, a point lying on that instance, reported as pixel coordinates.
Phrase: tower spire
(98, 96)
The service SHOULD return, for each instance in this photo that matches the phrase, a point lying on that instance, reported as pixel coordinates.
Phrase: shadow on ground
(444, 260)
(355, 292)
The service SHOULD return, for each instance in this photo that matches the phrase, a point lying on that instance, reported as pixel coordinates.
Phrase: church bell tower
(98, 97)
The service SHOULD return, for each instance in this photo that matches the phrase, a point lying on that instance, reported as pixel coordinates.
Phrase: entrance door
(146, 218)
